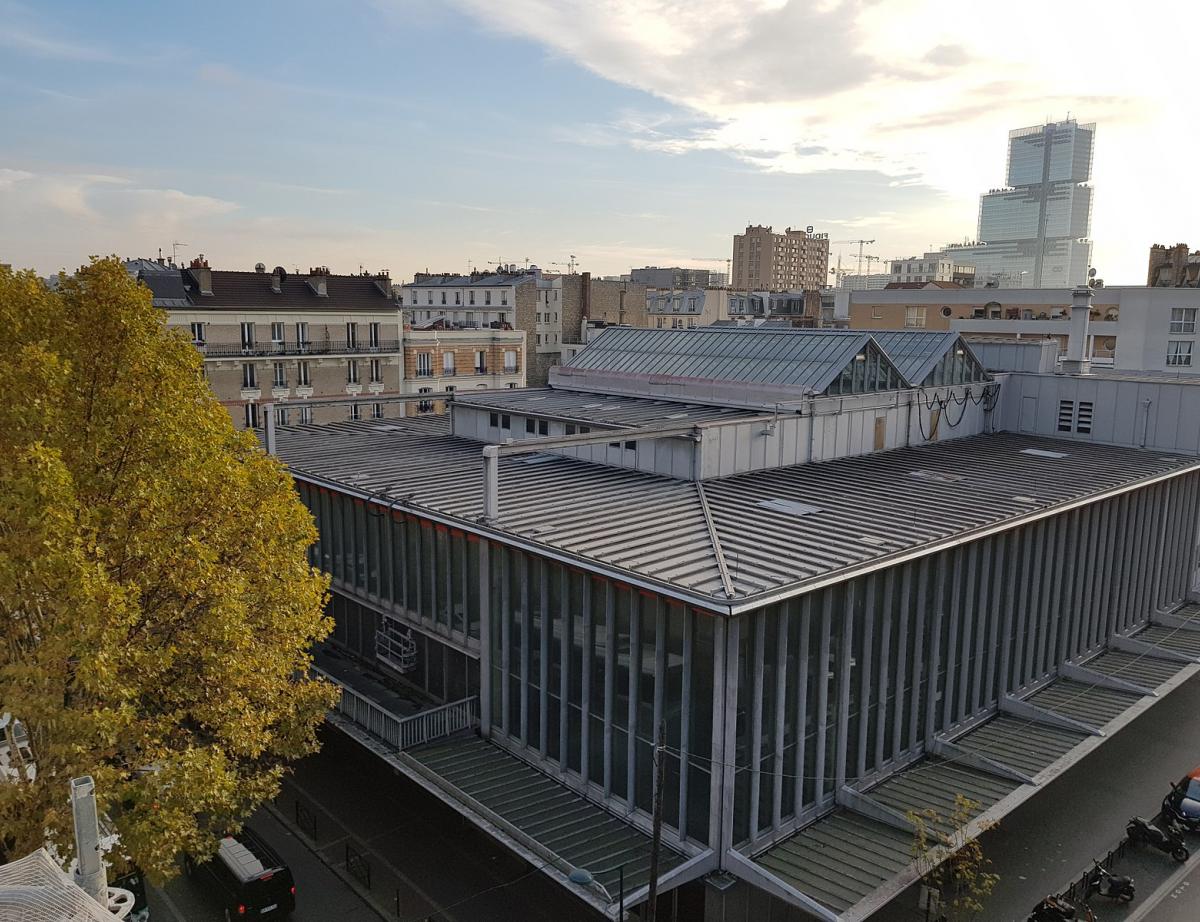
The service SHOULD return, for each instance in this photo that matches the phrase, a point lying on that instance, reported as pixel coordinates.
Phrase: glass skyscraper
(1034, 233)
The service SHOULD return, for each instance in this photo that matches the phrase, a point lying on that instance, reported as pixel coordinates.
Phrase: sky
(446, 134)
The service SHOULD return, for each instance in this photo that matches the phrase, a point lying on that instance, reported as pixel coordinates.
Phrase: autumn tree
(952, 865)
(156, 602)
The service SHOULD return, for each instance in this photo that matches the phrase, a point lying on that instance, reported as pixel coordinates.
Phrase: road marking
(1167, 888)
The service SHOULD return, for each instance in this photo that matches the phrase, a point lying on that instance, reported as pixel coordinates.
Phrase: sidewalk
(408, 855)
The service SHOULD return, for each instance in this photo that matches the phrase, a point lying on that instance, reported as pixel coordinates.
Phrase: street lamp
(583, 877)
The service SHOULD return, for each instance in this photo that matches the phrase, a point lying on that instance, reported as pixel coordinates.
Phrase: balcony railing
(325, 347)
(404, 732)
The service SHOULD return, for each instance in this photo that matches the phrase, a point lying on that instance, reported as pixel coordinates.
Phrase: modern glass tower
(1034, 233)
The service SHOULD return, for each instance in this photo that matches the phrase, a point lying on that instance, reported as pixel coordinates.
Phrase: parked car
(1182, 802)
(248, 877)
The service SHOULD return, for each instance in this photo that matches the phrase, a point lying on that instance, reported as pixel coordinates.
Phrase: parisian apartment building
(550, 311)
(767, 261)
(327, 347)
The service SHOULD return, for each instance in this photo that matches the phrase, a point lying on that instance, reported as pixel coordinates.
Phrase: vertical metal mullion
(953, 613)
(1144, 562)
(726, 777)
(485, 637)
(610, 668)
(635, 675)
(1066, 597)
(685, 718)
(1160, 536)
(823, 692)
(404, 590)
(1104, 571)
(983, 615)
(1015, 539)
(587, 644)
(718, 733)
(449, 577)
(802, 700)
(844, 677)
(966, 615)
(867, 674)
(756, 715)
(996, 607)
(1175, 512)
(1047, 562)
(544, 631)
(660, 665)
(1114, 564)
(526, 634)
(1029, 538)
(911, 707)
(882, 712)
(505, 634)
(1090, 592)
(1133, 549)
(783, 616)
(1186, 542)
(1079, 589)
(935, 652)
(564, 668)
(1058, 552)
(387, 592)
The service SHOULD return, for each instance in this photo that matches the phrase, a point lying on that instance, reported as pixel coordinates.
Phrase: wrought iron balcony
(323, 347)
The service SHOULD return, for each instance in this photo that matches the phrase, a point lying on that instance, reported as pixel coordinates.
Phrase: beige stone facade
(437, 361)
(766, 261)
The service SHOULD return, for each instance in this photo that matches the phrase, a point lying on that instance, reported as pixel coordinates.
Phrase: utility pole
(660, 778)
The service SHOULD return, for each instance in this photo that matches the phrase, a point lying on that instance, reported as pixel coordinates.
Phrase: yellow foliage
(156, 602)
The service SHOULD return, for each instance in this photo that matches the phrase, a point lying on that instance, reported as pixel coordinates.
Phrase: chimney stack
(1076, 361)
(202, 275)
(318, 281)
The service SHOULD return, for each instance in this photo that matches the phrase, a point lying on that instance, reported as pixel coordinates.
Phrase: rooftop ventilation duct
(1076, 361)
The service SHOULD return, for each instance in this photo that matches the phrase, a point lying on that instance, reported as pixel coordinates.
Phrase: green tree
(156, 602)
(951, 863)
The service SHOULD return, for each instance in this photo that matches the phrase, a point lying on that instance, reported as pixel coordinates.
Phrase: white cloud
(920, 90)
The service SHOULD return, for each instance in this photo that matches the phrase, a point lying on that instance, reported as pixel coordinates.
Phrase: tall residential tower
(1034, 233)
(766, 261)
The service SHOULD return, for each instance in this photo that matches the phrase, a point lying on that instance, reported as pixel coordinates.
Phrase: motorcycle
(1165, 836)
(1181, 808)
(1056, 909)
(1102, 881)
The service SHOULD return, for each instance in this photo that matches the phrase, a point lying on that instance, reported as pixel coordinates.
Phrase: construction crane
(861, 244)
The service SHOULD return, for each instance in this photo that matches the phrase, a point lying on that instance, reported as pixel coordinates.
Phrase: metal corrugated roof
(1088, 704)
(808, 360)
(598, 408)
(871, 508)
(1019, 744)
(844, 857)
(562, 821)
(841, 859)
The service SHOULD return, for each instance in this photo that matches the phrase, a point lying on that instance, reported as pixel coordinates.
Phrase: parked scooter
(1164, 835)
(1104, 882)
(1056, 909)
(1181, 808)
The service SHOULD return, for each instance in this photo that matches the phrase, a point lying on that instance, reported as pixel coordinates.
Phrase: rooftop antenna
(175, 245)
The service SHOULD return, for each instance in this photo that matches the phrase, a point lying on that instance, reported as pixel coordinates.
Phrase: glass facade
(426, 574)
(1034, 234)
(850, 683)
(774, 710)
(583, 669)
